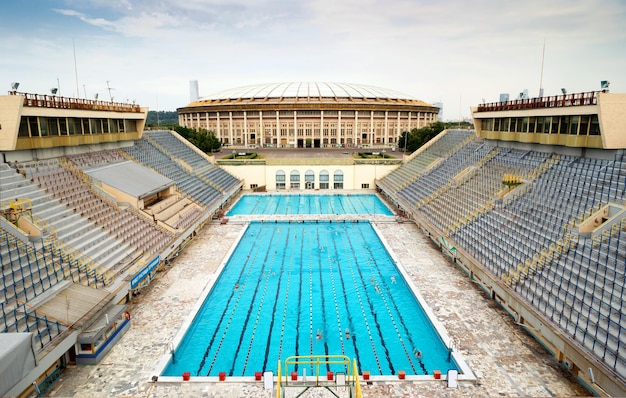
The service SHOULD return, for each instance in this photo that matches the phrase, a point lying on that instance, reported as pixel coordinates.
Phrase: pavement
(505, 359)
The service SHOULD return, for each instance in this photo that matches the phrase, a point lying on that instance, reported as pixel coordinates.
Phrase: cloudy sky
(457, 52)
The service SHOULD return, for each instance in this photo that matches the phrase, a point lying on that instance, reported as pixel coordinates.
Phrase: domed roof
(307, 90)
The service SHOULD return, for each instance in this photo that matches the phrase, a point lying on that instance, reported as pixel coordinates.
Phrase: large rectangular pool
(309, 288)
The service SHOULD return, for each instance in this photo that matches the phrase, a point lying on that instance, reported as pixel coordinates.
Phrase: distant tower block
(504, 97)
(440, 106)
(193, 91)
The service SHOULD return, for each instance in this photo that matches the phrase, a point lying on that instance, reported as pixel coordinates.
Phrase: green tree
(414, 139)
(203, 139)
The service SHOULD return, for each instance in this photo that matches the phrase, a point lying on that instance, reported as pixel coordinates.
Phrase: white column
(339, 126)
(295, 129)
(230, 127)
(277, 129)
(398, 131)
(386, 129)
(245, 129)
(418, 120)
(356, 128)
(409, 121)
(372, 131)
(321, 129)
(218, 130)
(206, 115)
(198, 120)
(262, 132)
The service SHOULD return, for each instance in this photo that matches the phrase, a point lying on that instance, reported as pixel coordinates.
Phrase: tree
(417, 137)
(203, 139)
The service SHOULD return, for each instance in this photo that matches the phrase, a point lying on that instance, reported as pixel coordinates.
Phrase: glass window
(23, 127)
(573, 125)
(309, 175)
(524, 127)
(594, 128)
(280, 179)
(584, 125)
(33, 125)
(338, 179)
(554, 124)
(43, 127)
(539, 127)
(564, 125)
(63, 126)
(86, 127)
(52, 125)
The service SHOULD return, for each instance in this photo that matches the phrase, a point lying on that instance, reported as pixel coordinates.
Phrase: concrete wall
(353, 175)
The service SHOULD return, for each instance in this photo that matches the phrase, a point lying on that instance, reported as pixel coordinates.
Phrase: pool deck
(504, 358)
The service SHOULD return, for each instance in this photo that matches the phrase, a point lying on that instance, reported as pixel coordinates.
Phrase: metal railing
(53, 101)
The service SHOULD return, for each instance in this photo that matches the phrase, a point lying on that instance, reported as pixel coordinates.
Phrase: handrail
(578, 99)
(53, 101)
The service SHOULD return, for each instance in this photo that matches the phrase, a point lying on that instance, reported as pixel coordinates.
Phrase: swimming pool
(308, 288)
(291, 204)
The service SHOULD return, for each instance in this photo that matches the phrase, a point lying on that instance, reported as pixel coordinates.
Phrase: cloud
(98, 22)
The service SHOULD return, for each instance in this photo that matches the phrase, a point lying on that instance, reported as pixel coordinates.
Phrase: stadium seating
(26, 273)
(527, 236)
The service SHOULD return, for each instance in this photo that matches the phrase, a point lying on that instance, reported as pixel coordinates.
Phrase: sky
(457, 52)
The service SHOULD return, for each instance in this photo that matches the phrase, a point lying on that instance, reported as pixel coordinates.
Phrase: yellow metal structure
(344, 362)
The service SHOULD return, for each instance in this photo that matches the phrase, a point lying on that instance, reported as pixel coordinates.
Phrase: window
(338, 179)
(573, 128)
(52, 125)
(324, 179)
(539, 128)
(365, 186)
(564, 121)
(294, 179)
(594, 128)
(254, 186)
(584, 125)
(23, 132)
(86, 128)
(309, 179)
(280, 179)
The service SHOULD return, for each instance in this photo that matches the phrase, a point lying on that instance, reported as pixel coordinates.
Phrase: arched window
(294, 179)
(338, 179)
(280, 179)
(324, 179)
(309, 179)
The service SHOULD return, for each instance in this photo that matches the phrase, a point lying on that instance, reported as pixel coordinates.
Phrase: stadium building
(308, 114)
(529, 208)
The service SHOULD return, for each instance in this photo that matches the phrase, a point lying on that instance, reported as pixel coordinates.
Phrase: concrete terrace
(506, 360)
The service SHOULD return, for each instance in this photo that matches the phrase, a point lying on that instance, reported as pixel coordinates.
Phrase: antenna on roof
(543, 53)
(109, 88)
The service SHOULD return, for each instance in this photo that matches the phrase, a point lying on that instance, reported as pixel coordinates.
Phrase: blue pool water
(288, 281)
(309, 204)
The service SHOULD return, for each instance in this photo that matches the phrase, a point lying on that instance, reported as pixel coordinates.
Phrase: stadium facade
(308, 114)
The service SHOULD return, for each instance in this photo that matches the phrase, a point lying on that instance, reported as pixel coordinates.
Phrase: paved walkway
(505, 359)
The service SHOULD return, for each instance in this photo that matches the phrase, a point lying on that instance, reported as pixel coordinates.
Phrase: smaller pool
(309, 204)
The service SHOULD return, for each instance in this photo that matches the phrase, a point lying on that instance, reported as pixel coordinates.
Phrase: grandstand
(91, 208)
(539, 227)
